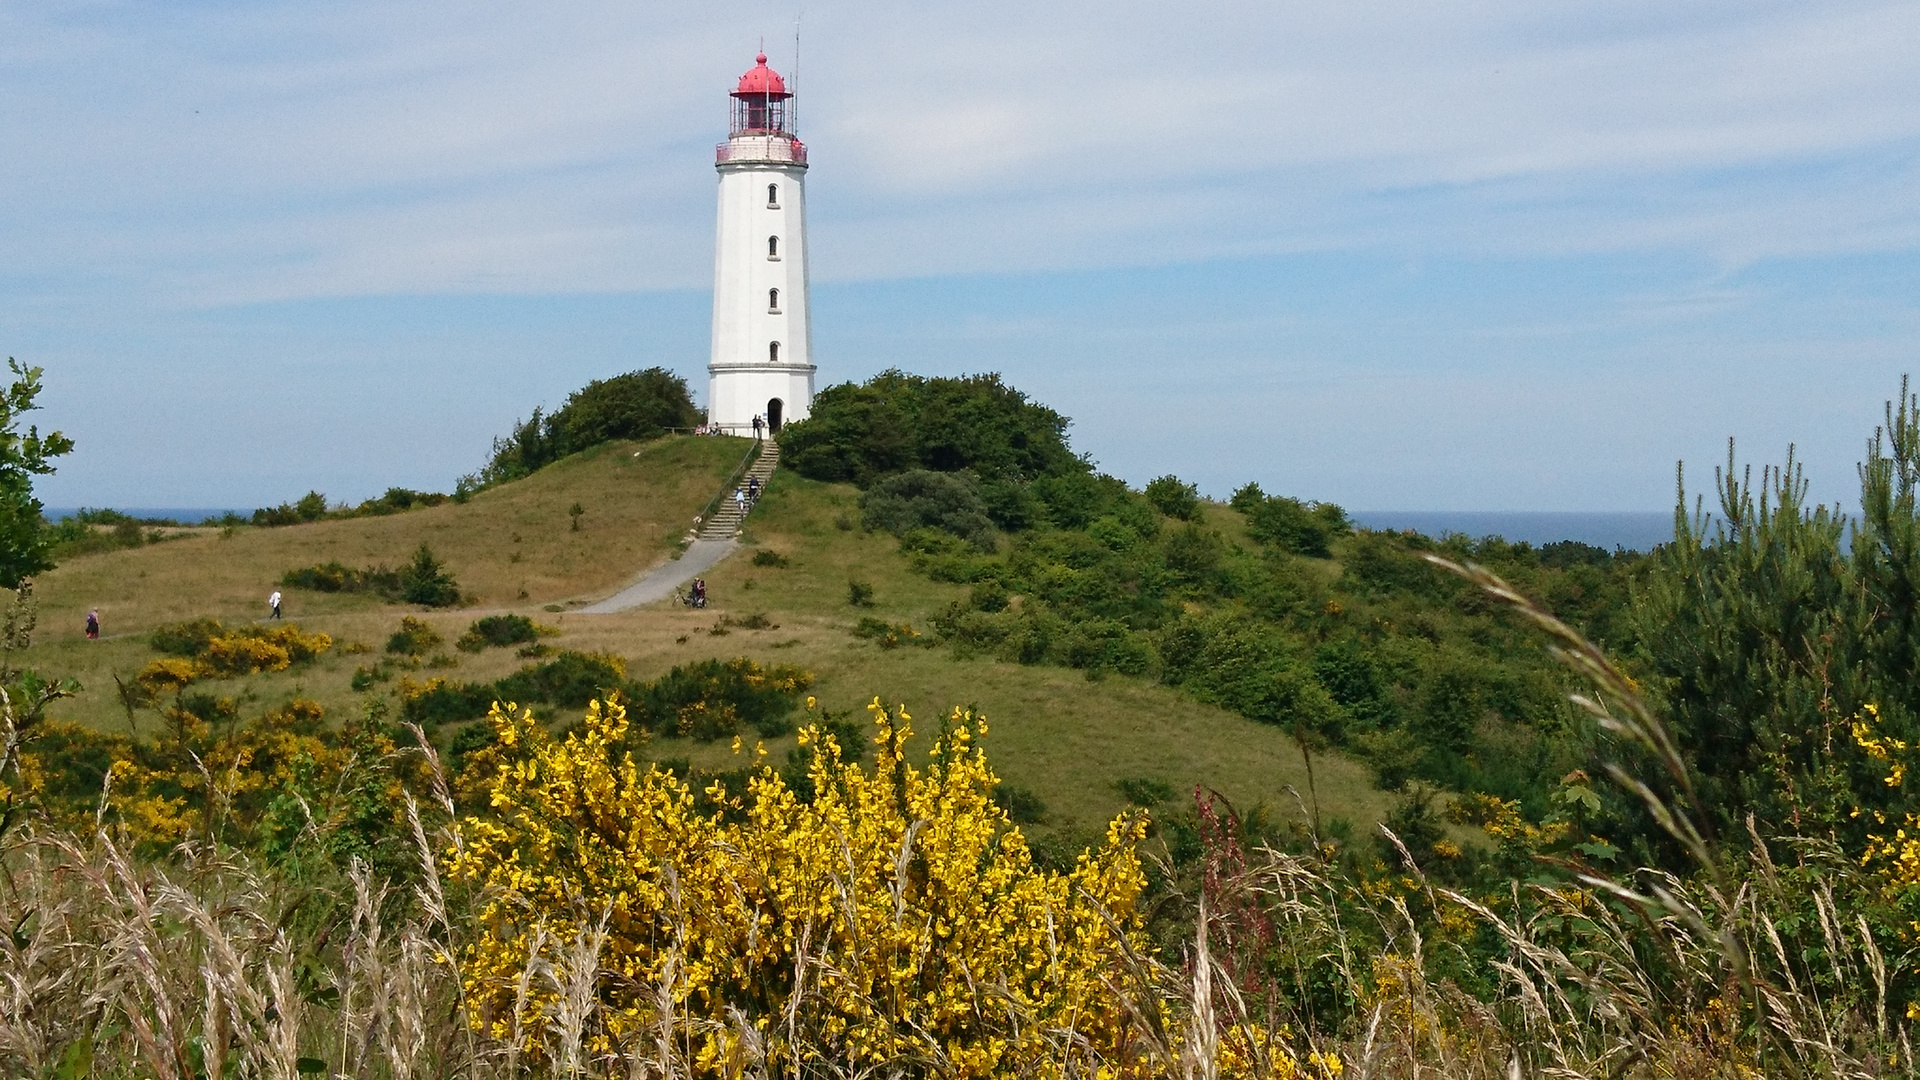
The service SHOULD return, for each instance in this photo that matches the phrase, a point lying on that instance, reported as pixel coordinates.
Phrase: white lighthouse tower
(762, 361)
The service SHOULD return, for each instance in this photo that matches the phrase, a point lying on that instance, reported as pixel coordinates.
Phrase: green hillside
(1066, 739)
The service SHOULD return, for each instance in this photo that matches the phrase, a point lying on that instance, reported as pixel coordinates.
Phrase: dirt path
(663, 580)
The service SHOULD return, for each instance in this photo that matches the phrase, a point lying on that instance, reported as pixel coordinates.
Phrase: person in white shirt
(274, 603)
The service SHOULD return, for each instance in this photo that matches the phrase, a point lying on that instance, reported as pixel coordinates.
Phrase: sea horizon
(1630, 530)
(194, 515)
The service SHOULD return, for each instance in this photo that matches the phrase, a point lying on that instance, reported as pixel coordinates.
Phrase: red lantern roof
(761, 80)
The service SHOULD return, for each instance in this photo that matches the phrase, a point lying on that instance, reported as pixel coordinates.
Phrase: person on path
(274, 603)
(93, 625)
(758, 423)
(740, 500)
(753, 489)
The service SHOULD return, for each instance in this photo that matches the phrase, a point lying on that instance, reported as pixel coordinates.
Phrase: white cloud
(224, 152)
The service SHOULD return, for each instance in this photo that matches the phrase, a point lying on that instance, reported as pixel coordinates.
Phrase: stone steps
(725, 522)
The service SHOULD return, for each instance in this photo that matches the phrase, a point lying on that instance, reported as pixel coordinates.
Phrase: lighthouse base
(777, 393)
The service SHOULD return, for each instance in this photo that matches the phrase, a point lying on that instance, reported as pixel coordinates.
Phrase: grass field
(1058, 734)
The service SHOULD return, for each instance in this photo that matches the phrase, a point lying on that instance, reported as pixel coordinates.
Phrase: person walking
(274, 603)
(93, 625)
(740, 501)
(753, 489)
(758, 424)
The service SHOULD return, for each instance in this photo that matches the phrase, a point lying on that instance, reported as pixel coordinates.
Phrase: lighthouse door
(773, 415)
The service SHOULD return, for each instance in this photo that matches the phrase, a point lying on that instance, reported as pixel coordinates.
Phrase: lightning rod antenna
(796, 70)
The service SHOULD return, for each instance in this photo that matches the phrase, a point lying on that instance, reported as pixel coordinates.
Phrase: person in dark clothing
(93, 625)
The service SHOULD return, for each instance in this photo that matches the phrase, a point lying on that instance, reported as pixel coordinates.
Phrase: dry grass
(509, 546)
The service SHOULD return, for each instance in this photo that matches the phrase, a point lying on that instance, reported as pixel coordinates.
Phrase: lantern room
(760, 101)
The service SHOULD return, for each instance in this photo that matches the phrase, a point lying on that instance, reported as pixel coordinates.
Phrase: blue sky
(1487, 256)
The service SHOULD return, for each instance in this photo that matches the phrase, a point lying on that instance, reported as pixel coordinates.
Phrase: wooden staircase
(724, 520)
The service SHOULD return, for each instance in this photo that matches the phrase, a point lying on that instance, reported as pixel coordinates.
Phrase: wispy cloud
(199, 153)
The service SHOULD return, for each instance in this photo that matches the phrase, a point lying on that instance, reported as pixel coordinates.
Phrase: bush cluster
(336, 577)
(638, 405)
(569, 680)
(1296, 527)
(1368, 652)
(424, 581)
(313, 506)
(309, 507)
(499, 631)
(895, 422)
(89, 532)
(924, 499)
(706, 700)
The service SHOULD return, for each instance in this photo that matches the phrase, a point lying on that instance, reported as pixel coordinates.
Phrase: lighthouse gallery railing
(761, 148)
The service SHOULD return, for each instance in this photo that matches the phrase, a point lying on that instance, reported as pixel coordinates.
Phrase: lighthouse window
(773, 247)
(773, 196)
(773, 352)
(773, 301)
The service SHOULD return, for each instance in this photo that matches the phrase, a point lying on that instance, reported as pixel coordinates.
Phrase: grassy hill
(1064, 737)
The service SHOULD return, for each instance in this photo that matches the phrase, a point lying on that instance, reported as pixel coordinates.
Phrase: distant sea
(1638, 530)
(184, 515)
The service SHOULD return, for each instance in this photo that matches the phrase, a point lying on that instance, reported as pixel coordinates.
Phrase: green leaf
(1597, 849)
(310, 1065)
(76, 1061)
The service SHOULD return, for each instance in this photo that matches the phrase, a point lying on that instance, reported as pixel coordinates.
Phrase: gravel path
(663, 580)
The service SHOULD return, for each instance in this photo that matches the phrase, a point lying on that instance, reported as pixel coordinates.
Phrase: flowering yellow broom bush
(1894, 856)
(897, 917)
(241, 652)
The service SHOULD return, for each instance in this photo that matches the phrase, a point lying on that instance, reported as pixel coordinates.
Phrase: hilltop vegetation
(1276, 609)
(637, 406)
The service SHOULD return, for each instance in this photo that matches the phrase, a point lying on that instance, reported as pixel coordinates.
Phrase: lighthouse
(762, 359)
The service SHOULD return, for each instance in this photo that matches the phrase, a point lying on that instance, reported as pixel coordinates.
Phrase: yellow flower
(904, 896)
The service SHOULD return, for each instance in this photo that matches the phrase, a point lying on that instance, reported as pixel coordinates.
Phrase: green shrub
(1144, 791)
(1020, 803)
(336, 577)
(766, 557)
(570, 679)
(77, 535)
(188, 638)
(498, 631)
(465, 742)
(637, 405)
(427, 582)
(448, 703)
(1193, 555)
(310, 507)
(860, 593)
(709, 699)
(397, 500)
(414, 638)
(1291, 525)
(895, 422)
(1174, 498)
(988, 596)
(885, 634)
(330, 577)
(922, 498)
